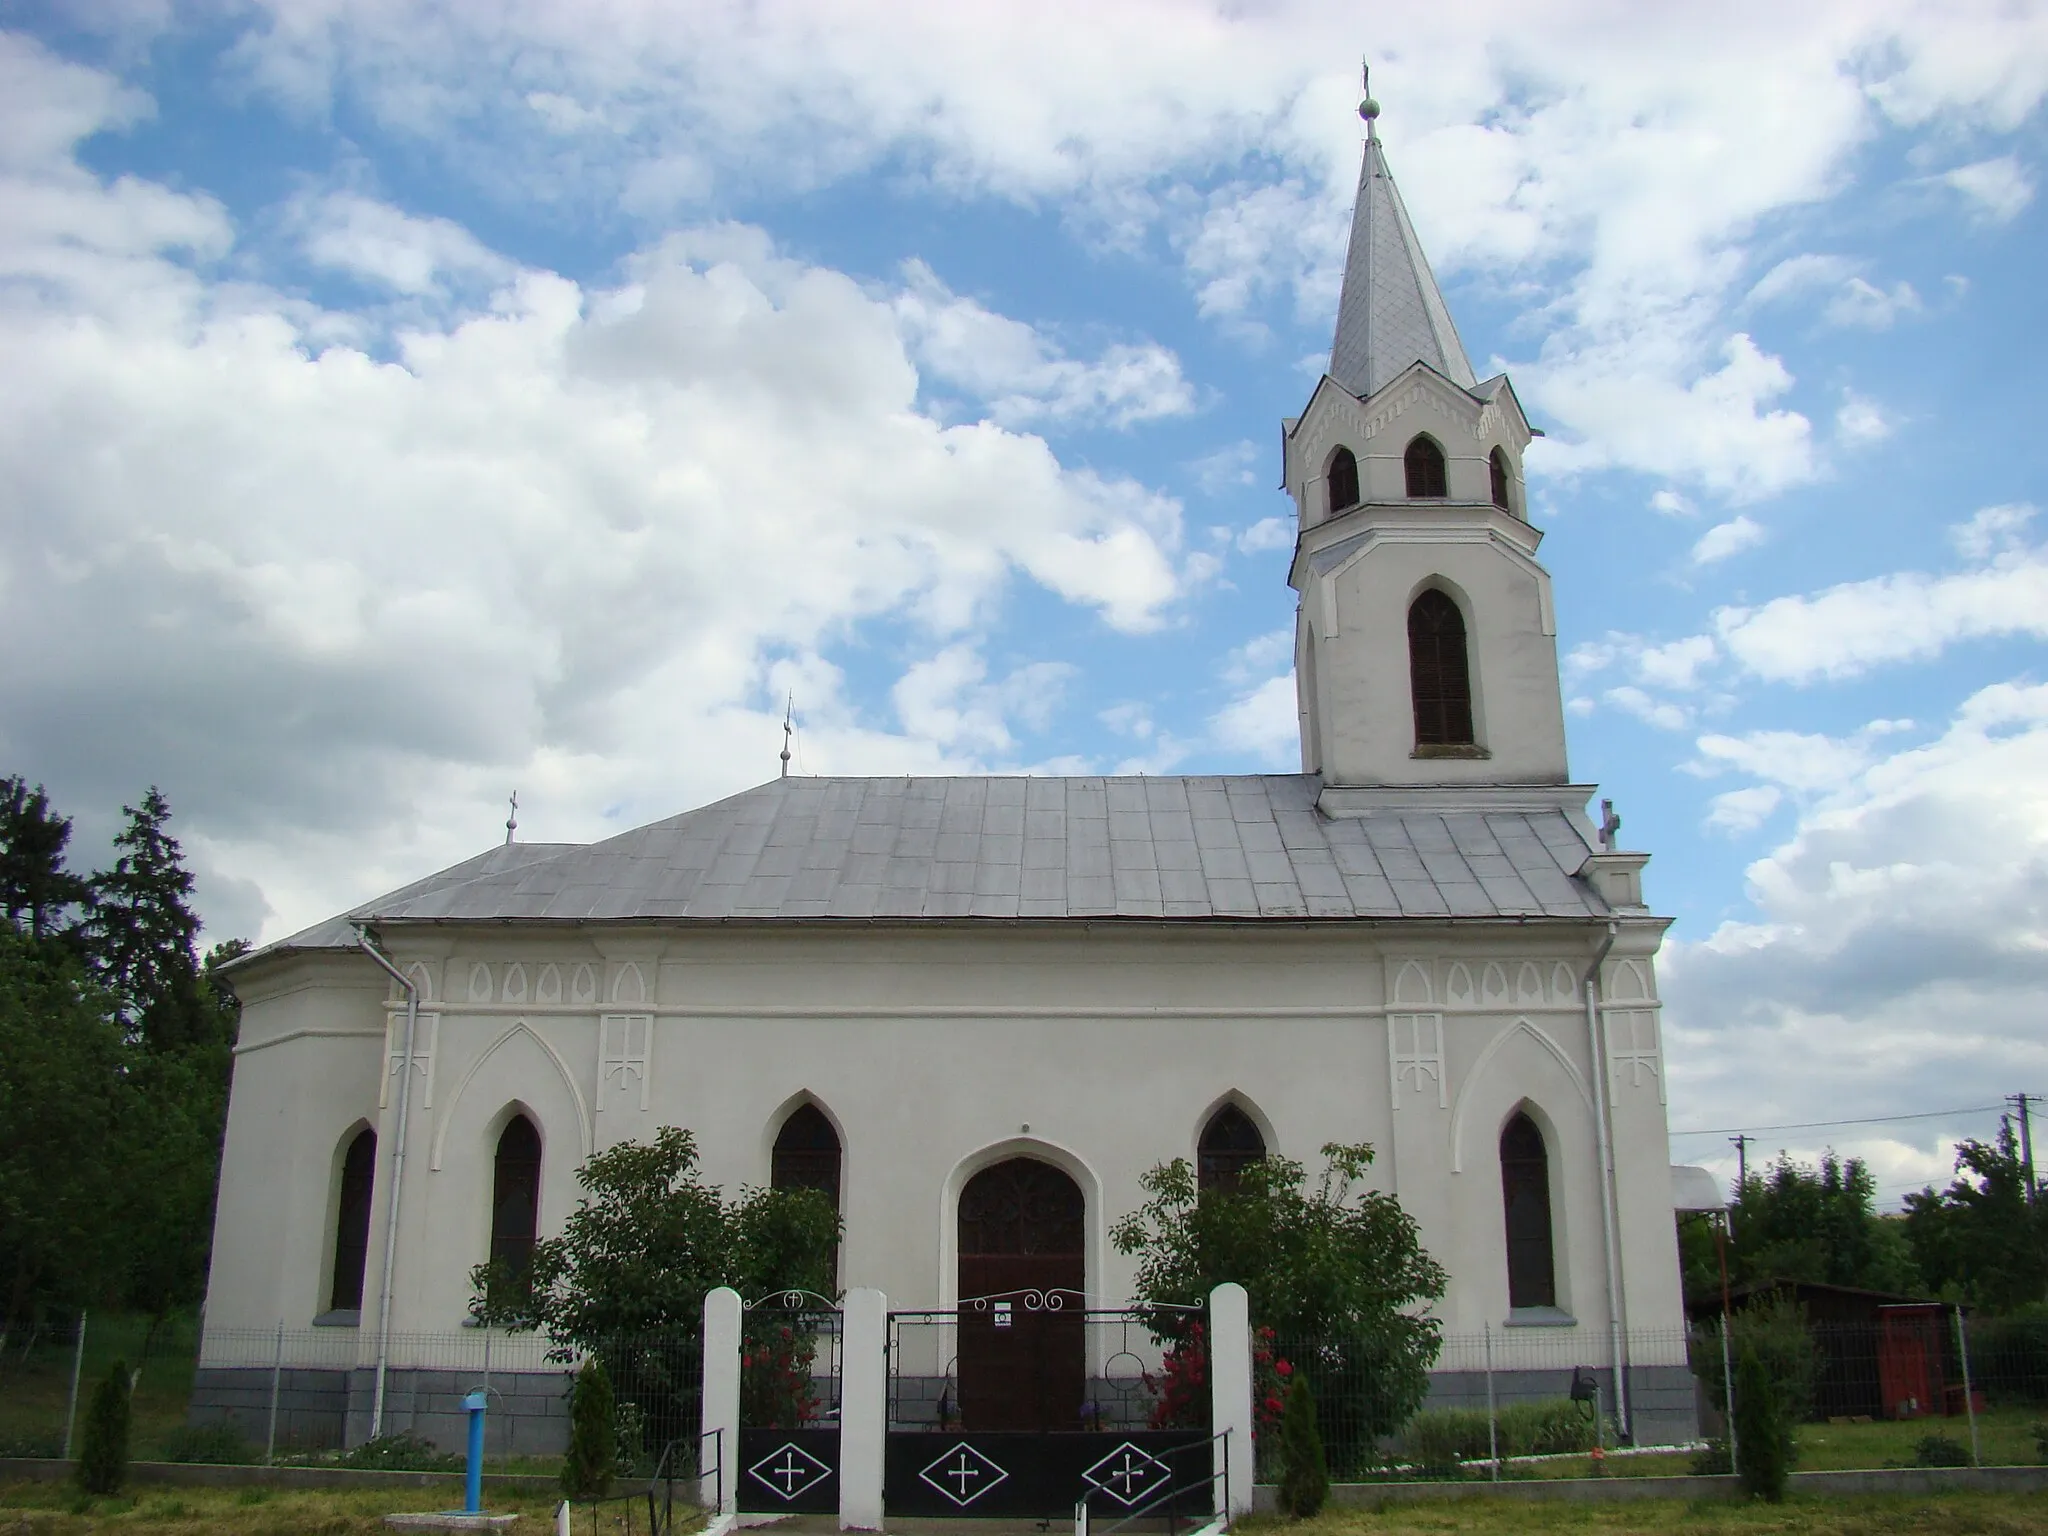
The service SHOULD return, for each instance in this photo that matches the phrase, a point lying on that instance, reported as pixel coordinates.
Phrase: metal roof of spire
(1391, 312)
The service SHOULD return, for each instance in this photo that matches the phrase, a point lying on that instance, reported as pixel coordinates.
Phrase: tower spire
(788, 728)
(1391, 312)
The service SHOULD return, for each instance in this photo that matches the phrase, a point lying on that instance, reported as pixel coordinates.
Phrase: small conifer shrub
(1763, 1429)
(103, 1452)
(588, 1463)
(1305, 1475)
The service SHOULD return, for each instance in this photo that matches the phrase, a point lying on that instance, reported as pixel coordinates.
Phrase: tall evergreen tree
(41, 896)
(143, 929)
(1796, 1221)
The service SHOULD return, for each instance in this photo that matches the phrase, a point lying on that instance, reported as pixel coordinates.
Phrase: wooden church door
(1023, 1350)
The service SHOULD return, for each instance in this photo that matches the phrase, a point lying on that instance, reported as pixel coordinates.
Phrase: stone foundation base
(324, 1410)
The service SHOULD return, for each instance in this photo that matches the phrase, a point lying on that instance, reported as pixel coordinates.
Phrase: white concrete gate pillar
(1230, 1397)
(863, 1407)
(721, 1494)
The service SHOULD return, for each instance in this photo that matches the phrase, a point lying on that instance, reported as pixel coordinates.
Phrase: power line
(1821, 1125)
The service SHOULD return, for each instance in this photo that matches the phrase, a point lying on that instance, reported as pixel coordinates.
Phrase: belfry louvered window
(1497, 463)
(1438, 672)
(1343, 480)
(1525, 1194)
(1424, 462)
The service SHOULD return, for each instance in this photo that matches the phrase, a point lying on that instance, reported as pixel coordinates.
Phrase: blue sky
(405, 404)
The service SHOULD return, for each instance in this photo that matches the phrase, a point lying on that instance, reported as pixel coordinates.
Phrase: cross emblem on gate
(964, 1473)
(1128, 1473)
(789, 1470)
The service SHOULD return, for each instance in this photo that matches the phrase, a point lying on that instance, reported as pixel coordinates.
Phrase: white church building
(933, 996)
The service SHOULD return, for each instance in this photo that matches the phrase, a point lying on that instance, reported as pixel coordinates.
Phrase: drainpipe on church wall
(412, 1021)
(1596, 1039)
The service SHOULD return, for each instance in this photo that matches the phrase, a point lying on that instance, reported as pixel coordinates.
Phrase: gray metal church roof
(1391, 313)
(1228, 847)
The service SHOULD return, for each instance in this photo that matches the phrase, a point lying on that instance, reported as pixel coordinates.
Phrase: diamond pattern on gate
(1129, 1474)
(795, 1470)
(963, 1474)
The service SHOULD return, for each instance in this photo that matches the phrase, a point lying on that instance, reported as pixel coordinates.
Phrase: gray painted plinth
(528, 1414)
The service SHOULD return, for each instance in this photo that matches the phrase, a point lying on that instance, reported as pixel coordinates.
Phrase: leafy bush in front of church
(1441, 1438)
(626, 1280)
(1775, 1329)
(1336, 1271)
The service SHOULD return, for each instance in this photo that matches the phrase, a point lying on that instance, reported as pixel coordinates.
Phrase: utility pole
(2019, 1102)
(1741, 1162)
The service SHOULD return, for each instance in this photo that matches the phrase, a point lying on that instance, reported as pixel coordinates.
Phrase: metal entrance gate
(789, 1405)
(1060, 1402)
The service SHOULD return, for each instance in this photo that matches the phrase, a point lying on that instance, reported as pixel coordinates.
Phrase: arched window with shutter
(806, 1154)
(1497, 467)
(1439, 673)
(1424, 462)
(352, 1222)
(1343, 480)
(1525, 1196)
(515, 1196)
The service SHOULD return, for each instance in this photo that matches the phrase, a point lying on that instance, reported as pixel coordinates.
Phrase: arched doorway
(1023, 1278)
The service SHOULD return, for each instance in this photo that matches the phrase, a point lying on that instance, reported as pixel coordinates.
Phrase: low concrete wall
(1602, 1490)
(324, 1409)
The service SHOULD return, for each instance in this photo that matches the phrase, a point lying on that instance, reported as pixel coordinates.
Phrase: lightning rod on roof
(788, 727)
(1368, 108)
(512, 821)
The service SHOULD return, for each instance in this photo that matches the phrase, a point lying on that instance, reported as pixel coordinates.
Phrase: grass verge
(1949, 1514)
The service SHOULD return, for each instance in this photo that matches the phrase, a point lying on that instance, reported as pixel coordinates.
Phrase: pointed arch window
(1525, 1196)
(1424, 462)
(515, 1196)
(1343, 480)
(1438, 672)
(352, 1222)
(806, 1154)
(1230, 1143)
(1497, 467)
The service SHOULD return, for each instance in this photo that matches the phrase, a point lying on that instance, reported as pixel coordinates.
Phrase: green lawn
(2004, 1436)
(1957, 1514)
(46, 1509)
(33, 1390)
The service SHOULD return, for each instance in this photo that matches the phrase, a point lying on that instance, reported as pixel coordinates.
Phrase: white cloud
(1863, 304)
(1743, 810)
(947, 699)
(1893, 957)
(1861, 420)
(1670, 503)
(1724, 540)
(1228, 470)
(1998, 189)
(1677, 663)
(1022, 375)
(1799, 275)
(1991, 531)
(1263, 722)
(1662, 713)
(1268, 533)
(1796, 760)
(1846, 630)
(578, 539)
(380, 244)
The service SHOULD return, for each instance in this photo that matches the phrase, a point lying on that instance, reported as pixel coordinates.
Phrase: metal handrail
(1084, 1516)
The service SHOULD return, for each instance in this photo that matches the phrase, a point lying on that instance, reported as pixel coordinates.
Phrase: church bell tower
(1425, 640)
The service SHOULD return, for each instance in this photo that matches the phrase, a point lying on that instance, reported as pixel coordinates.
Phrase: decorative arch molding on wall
(568, 1081)
(514, 988)
(1062, 1157)
(1462, 1108)
(1252, 1112)
(422, 976)
(629, 986)
(548, 989)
